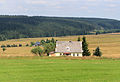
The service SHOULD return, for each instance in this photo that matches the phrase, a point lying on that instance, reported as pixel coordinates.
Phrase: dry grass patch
(109, 44)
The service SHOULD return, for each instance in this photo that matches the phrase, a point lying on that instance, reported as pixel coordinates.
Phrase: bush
(97, 52)
(27, 45)
(2, 46)
(78, 39)
(42, 41)
(4, 49)
(13, 45)
(47, 41)
(8, 45)
(32, 43)
(20, 45)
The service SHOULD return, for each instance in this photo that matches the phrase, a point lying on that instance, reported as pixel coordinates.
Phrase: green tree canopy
(42, 41)
(32, 43)
(3, 49)
(48, 47)
(52, 40)
(78, 39)
(97, 52)
(37, 51)
(86, 51)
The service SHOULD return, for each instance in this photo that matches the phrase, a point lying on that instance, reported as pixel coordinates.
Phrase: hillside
(14, 27)
(108, 43)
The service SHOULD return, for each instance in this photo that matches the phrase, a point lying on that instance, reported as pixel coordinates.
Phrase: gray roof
(68, 46)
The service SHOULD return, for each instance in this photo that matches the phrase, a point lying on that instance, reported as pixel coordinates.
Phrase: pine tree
(52, 40)
(97, 52)
(4, 49)
(78, 39)
(86, 51)
(47, 41)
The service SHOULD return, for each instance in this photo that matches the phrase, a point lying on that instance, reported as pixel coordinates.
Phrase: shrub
(4, 49)
(37, 50)
(32, 43)
(2, 46)
(47, 41)
(20, 45)
(8, 45)
(13, 45)
(78, 39)
(42, 41)
(97, 52)
(27, 45)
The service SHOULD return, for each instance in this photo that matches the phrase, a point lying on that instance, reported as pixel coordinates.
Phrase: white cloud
(112, 5)
(36, 2)
(92, 0)
(60, 7)
(43, 2)
(2, 1)
(110, 0)
(84, 7)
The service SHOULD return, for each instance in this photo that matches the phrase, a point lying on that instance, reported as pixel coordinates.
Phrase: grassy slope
(59, 70)
(109, 44)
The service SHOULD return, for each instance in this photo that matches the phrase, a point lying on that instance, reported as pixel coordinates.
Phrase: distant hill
(14, 27)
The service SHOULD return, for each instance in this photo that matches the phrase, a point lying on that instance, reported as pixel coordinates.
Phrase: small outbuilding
(68, 48)
(37, 44)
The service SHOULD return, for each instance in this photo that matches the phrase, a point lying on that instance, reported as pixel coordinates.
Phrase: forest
(15, 27)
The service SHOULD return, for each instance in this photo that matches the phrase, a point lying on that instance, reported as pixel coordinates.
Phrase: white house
(68, 48)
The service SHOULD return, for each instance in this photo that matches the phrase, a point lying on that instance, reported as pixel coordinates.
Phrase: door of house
(67, 54)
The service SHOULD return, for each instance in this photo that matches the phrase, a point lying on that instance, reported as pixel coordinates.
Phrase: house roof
(68, 46)
(37, 43)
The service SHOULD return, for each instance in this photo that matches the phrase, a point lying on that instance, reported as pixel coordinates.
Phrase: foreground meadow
(36, 69)
(109, 44)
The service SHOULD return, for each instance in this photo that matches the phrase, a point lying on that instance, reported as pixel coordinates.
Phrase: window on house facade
(68, 48)
(77, 54)
(60, 54)
(73, 54)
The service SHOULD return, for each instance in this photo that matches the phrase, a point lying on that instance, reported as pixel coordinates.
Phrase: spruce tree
(4, 49)
(47, 41)
(78, 39)
(86, 51)
(52, 40)
(97, 52)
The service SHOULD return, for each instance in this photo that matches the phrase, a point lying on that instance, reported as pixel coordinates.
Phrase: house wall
(52, 54)
(57, 54)
(76, 54)
(72, 54)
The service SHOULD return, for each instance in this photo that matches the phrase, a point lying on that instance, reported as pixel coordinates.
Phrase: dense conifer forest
(14, 27)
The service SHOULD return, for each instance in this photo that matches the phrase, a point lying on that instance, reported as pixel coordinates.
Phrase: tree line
(13, 45)
(15, 27)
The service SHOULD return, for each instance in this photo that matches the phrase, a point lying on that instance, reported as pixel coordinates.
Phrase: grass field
(109, 44)
(35, 69)
(62, 69)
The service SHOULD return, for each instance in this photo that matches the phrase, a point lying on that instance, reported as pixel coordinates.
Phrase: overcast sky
(69, 8)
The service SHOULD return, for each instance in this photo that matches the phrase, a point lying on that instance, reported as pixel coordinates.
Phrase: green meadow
(42, 69)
